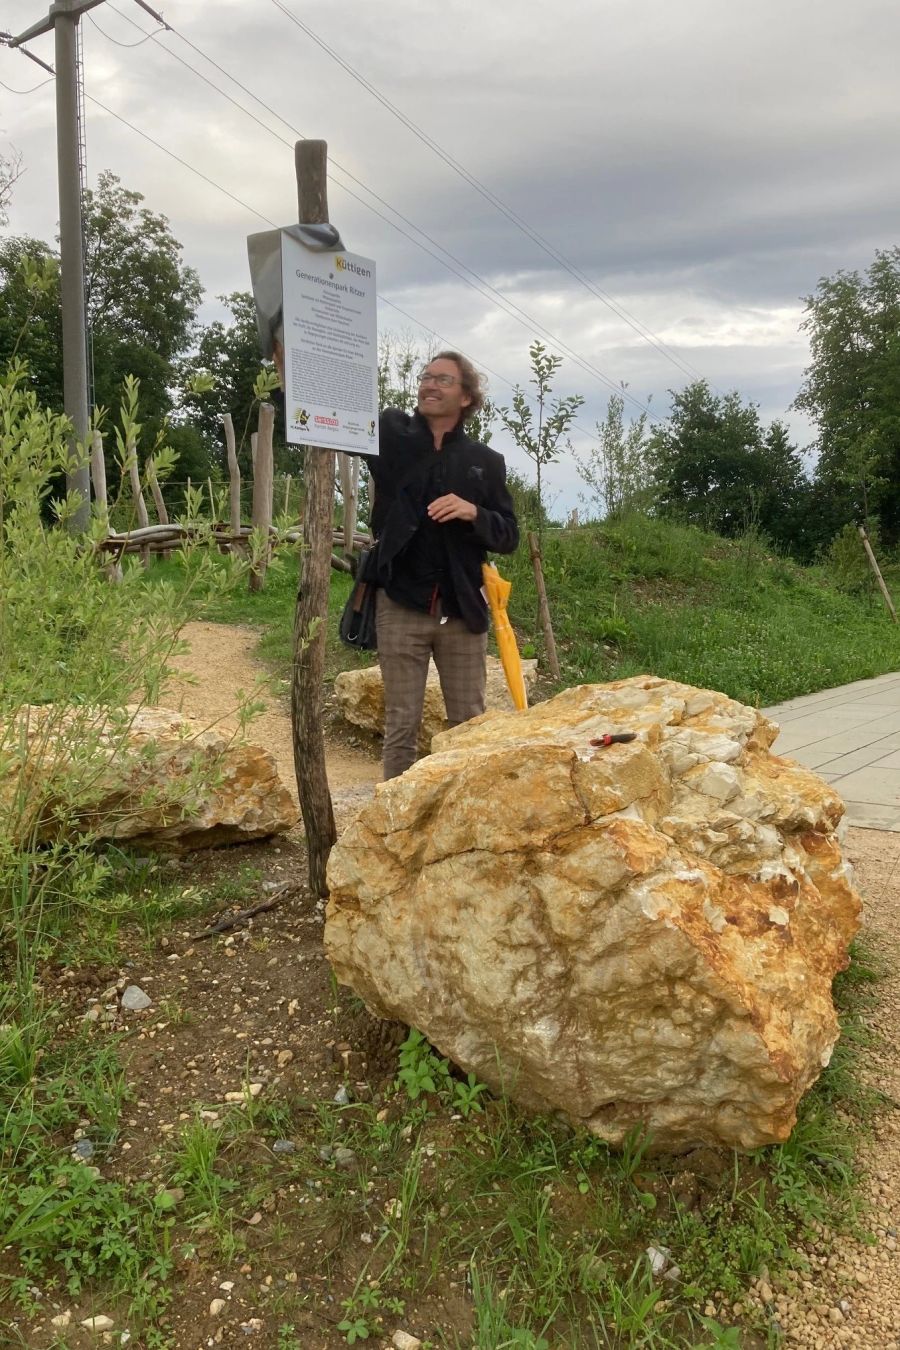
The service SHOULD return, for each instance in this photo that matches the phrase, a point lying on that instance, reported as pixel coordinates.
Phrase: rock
(360, 696)
(342, 1096)
(284, 1058)
(61, 1320)
(98, 1324)
(134, 999)
(598, 932)
(150, 790)
(659, 1258)
(83, 1150)
(217, 1307)
(284, 1146)
(344, 1157)
(402, 1340)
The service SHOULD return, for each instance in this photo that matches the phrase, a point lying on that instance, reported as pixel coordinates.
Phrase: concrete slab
(850, 736)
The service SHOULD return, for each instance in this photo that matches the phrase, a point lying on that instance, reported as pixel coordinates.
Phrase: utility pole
(63, 19)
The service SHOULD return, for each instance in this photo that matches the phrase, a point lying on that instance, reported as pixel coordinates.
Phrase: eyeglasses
(444, 381)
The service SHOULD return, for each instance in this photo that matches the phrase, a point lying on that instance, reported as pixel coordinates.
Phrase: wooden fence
(268, 496)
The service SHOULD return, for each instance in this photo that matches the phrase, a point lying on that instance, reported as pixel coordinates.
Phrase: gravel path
(852, 1296)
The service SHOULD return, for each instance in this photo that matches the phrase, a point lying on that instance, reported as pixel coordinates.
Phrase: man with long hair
(440, 506)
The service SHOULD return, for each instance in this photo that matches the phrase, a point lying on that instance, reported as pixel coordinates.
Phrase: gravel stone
(134, 999)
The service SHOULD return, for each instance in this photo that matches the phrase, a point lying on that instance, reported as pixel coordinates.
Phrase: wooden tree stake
(234, 480)
(261, 517)
(877, 570)
(546, 624)
(311, 613)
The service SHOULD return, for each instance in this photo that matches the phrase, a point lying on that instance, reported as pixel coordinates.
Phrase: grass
(431, 1191)
(649, 596)
(435, 1206)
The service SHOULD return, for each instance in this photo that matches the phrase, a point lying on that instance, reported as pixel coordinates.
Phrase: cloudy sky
(699, 164)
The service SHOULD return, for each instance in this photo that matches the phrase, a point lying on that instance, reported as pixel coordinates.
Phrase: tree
(229, 354)
(851, 390)
(11, 171)
(619, 470)
(30, 320)
(718, 468)
(542, 438)
(141, 303)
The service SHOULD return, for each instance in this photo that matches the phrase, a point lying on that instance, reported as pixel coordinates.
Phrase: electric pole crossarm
(72, 8)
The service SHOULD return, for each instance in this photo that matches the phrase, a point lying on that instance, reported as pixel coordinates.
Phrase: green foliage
(619, 470)
(541, 433)
(718, 468)
(141, 303)
(421, 1071)
(645, 595)
(224, 374)
(851, 390)
(847, 562)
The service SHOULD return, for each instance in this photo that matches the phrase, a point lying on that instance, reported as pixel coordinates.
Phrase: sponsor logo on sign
(326, 421)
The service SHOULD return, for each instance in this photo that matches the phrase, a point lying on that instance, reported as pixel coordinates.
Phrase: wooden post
(234, 481)
(287, 496)
(98, 476)
(261, 515)
(159, 503)
(253, 439)
(877, 570)
(349, 470)
(546, 624)
(140, 506)
(113, 568)
(311, 613)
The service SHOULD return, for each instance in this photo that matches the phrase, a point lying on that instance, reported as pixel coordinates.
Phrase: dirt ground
(855, 1300)
(260, 1008)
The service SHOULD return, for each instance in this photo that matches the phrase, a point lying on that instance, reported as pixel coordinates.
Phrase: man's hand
(451, 507)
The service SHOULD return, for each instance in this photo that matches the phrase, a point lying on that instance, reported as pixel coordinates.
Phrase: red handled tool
(614, 738)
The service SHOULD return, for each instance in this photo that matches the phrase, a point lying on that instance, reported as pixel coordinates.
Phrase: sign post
(311, 612)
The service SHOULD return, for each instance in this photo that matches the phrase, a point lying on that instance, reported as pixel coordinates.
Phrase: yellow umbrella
(497, 589)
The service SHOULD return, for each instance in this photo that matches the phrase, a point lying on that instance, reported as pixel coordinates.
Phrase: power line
(166, 151)
(39, 85)
(479, 284)
(117, 41)
(635, 324)
(253, 211)
(382, 298)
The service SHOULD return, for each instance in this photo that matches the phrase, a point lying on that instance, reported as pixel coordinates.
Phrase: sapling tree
(541, 431)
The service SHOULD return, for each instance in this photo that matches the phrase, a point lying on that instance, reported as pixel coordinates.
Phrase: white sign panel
(330, 349)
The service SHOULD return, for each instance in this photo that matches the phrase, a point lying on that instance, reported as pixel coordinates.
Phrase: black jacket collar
(455, 437)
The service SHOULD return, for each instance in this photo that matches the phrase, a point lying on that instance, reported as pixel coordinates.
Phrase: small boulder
(360, 696)
(150, 777)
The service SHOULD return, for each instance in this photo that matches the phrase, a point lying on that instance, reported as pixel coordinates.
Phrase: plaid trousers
(407, 639)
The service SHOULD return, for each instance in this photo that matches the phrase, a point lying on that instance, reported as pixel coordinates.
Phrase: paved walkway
(851, 737)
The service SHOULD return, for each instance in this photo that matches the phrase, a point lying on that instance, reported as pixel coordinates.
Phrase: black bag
(357, 625)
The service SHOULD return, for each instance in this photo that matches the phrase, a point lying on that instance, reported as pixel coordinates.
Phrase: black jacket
(402, 471)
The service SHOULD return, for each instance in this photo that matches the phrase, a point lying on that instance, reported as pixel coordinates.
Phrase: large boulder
(360, 696)
(149, 777)
(639, 934)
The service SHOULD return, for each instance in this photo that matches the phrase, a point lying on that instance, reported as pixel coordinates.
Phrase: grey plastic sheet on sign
(264, 252)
